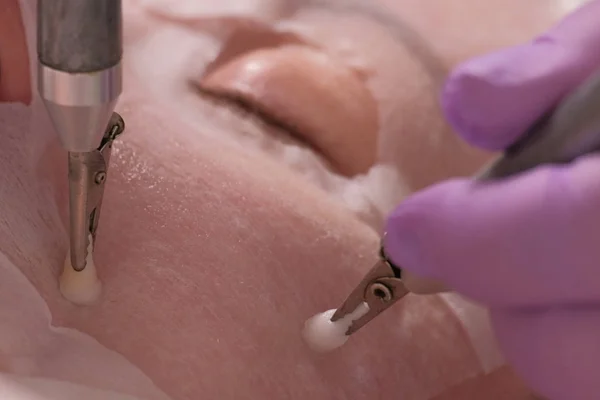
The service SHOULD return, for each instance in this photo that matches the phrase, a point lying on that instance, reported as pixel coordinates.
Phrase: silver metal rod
(79, 67)
(79, 36)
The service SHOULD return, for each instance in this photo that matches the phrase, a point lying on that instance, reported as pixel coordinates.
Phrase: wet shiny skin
(212, 255)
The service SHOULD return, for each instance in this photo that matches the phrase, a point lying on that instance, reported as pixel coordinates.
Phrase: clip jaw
(87, 177)
(380, 289)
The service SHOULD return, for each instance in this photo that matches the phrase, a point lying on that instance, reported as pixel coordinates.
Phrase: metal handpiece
(79, 47)
(87, 179)
(571, 130)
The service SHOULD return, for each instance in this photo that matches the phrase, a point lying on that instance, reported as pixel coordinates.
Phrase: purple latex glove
(527, 247)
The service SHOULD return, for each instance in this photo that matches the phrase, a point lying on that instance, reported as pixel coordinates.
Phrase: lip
(317, 99)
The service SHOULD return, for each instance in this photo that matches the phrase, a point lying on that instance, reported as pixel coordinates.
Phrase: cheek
(414, 135)
(417, 140)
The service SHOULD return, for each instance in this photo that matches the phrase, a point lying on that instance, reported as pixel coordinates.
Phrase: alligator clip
(87, 177)
(379, 289)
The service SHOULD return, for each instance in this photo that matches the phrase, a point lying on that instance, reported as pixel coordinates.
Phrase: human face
(223, 230)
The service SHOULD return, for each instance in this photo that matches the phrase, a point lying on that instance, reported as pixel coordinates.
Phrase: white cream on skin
(81, 287)
(323, 335)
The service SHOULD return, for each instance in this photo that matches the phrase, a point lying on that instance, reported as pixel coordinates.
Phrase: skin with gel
(323, 335)
(222, 232)
(81, 287)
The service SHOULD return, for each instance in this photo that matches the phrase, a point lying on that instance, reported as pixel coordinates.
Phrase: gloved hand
(527, 247)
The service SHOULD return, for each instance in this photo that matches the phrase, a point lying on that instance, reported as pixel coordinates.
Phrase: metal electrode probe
(79, 47)
(570, 131)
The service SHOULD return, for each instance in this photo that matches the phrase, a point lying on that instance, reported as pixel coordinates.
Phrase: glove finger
(419, 285)
(556, 351)
(491, 100)
(525, 241)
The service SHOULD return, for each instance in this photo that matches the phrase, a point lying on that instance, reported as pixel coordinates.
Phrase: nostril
(320, 99)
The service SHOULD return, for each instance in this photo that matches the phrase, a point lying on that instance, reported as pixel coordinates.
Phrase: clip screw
(117, 126)
(381, 291)
(100, 177)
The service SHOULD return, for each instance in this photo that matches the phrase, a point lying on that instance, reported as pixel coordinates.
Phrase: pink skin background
(212, 254)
